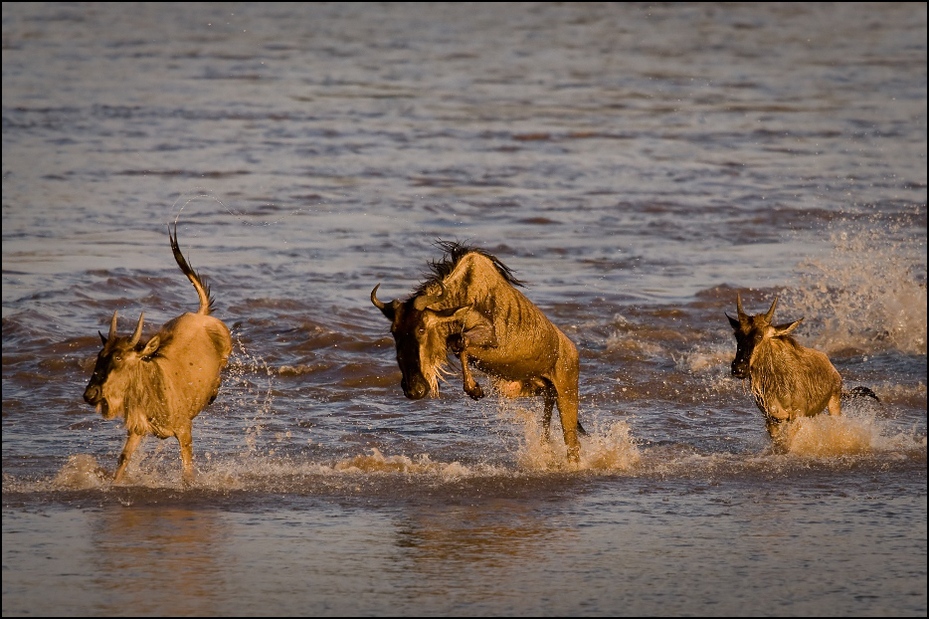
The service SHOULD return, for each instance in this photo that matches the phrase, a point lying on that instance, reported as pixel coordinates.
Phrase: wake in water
(861, 433)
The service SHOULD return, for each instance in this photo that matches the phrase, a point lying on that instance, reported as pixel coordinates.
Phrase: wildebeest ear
(151, 347)
(787, 328)
(733, 322)
(102, 338)
(390, 310)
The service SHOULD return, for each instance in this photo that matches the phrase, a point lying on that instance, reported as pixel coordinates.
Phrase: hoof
(574, 456)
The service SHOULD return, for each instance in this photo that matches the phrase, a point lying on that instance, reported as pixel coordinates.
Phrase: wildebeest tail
(860, 392)
(203, 290)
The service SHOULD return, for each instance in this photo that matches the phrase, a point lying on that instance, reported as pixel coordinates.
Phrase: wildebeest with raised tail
(158, 386)
(470, 306)
(787, 379)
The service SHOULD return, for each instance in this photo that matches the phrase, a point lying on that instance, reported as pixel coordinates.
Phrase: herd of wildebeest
(470, 306)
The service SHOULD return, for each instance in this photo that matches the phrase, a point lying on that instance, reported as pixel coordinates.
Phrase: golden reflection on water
(494, 533)
(144, 554)
(483, 558)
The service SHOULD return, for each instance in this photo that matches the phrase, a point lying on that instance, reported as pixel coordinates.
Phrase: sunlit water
(637, 165)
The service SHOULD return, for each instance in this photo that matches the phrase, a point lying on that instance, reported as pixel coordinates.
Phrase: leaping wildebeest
(158, 386)
(787, 380)
(470, 306)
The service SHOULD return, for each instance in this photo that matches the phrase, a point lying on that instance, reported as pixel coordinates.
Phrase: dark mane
(453, 253)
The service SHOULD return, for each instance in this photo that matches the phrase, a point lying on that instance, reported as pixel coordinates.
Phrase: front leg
(132, 441)
(777, 430)
(476, 331)
(470, 385)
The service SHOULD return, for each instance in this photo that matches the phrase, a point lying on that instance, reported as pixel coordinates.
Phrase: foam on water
(860, 433)
(613, 450)
(256, 473)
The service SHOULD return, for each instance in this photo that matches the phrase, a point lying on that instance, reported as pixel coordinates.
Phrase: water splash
(611, 450)
(869, 293)
(242, 380)
(859, 430)
(81, 472)
(614, 450)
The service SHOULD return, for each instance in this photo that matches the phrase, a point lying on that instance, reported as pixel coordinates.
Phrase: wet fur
(787, 380)
(469, 306)
(160, 385)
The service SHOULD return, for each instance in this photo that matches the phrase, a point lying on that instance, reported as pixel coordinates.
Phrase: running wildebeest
(160, 385)
(470, 307)
(787, 380)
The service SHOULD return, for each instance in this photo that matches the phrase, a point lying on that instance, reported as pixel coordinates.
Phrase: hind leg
(567, 409)
(531, 388)
(835, 404)
(547, 414)
(185, 440)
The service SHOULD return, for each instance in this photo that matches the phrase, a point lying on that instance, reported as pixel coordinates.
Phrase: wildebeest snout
(740, 368)
(93, 394)
(415, 388)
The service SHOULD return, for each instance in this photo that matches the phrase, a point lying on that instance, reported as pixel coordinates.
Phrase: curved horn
(377, 302)
(138, 330)
(738, 305)
(388, 309)
(425, 301)
(112, 327)
(770, 313)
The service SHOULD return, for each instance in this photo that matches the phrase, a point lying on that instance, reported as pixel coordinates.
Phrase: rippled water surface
(637, 165)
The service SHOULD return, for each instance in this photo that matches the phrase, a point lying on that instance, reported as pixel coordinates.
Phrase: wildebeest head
(115, 367)
(750, 331)
(422, 333)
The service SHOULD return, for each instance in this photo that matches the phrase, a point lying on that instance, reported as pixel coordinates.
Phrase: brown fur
(470, 307)
(159, 386)
(787, 380)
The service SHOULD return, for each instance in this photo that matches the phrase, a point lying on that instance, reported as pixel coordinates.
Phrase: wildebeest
(470, 306)
(160, 385)
(787, 379)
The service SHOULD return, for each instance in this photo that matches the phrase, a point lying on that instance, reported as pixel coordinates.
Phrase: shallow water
(637, 165)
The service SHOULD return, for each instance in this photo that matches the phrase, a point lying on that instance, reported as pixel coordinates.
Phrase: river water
(637, 165)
